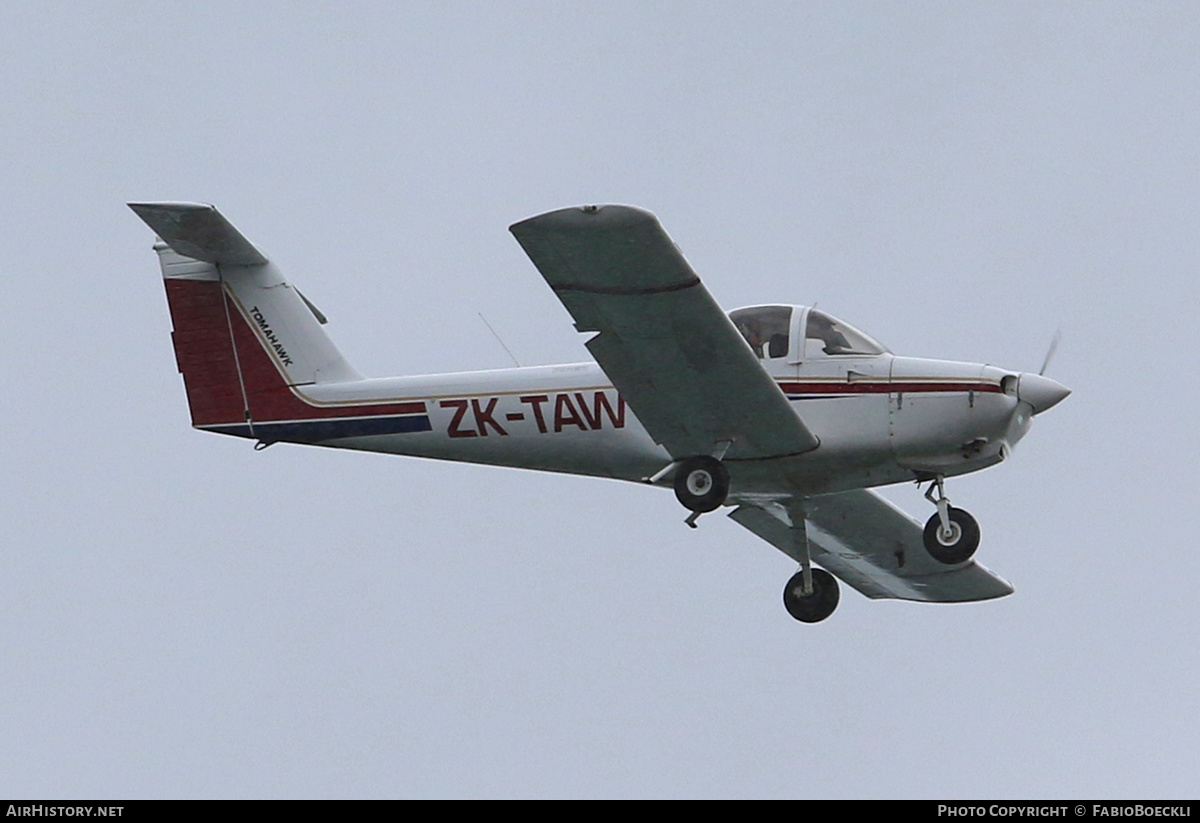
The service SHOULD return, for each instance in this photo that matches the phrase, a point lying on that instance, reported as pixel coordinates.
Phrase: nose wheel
(952, 535)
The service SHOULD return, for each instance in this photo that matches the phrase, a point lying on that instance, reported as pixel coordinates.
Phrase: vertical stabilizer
(245, 339)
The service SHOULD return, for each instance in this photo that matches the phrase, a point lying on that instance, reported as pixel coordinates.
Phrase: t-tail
(246, 341)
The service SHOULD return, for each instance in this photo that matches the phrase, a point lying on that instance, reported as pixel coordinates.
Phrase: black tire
(817, 606)
(701, 484)
(960, 547)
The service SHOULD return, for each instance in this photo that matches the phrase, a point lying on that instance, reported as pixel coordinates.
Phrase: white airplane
(783, 412)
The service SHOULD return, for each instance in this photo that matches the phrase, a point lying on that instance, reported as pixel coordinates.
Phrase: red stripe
(882, 387)
(944, 387)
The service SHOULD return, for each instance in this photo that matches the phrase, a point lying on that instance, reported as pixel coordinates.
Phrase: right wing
(672, 353)
(873, 546)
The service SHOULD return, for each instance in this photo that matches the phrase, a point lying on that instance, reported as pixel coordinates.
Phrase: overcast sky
(181, 616)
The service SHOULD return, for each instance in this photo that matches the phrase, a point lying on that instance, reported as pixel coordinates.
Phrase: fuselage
(880, 418)
(877, 418)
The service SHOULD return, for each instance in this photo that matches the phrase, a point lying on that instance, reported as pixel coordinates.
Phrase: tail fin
(244, 338)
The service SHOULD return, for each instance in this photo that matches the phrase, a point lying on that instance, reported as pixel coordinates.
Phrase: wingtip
(606, 216)
(145, 206)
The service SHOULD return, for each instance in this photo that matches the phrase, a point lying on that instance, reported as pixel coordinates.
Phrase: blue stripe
(317, 431)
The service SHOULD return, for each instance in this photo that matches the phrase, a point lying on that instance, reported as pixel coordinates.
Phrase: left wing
(873, 546)
(672, 353)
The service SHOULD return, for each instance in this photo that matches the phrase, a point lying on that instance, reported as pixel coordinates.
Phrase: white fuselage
(880, 419)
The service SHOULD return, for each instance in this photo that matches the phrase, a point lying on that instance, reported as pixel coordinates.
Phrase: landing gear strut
(811, 594)
(951, 536)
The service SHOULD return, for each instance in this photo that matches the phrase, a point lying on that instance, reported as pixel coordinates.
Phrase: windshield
(828, 335)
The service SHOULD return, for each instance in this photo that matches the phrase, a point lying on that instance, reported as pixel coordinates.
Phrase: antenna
(498, 340)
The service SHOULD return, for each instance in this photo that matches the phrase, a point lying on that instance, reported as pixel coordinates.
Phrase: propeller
(1038, 390)
(1050, 352)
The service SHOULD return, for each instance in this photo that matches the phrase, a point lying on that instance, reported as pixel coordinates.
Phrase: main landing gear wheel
(958, 544)
(814, 607)
(702, 484)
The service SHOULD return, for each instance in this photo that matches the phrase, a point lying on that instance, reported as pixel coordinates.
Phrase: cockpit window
(828, 335)
(766, 329)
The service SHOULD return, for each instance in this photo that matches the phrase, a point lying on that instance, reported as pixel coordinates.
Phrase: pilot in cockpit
(765, 329)
(753, 333)
(776, 344)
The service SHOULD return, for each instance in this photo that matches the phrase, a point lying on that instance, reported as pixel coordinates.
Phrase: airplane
(783, 413)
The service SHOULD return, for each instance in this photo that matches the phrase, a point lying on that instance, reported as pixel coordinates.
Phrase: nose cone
(1041, 392)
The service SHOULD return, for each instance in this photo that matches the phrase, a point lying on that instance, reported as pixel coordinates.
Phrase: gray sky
(182, 616)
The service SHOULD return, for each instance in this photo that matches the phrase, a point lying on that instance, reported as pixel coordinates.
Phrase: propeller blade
(1050, 352)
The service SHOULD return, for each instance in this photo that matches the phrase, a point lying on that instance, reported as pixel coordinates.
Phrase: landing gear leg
(943, 504)
(811, 595)
(951, 536)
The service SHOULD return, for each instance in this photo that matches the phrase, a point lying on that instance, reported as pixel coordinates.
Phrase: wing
(873, 546)
(674, 355)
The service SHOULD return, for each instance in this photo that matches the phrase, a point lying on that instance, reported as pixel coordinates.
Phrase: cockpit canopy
(769, 330)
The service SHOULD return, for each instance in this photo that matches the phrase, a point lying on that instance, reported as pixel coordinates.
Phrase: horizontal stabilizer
(199, 231)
